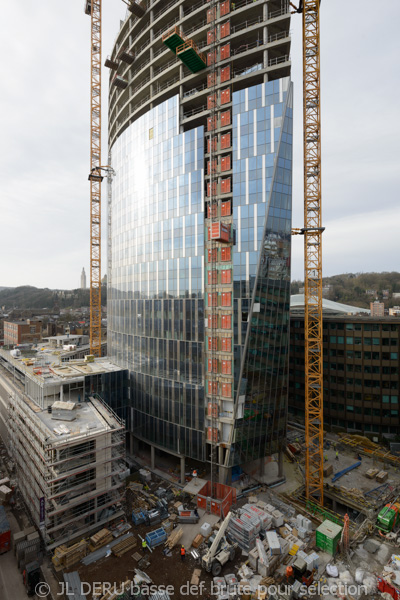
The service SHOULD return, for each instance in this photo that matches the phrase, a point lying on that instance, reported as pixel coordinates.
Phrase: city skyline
(45, 152)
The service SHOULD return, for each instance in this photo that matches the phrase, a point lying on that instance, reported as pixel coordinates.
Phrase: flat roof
(91, 418)
(328, 306)
(46, 367)
(66, 337)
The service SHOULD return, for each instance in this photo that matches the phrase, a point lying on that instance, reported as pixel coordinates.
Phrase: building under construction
(67, 444)
(200, 140)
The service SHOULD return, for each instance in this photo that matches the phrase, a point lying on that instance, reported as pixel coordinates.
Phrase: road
(11, 586)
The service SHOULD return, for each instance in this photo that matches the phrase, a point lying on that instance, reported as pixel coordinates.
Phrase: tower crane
(93, 8)
(312, 232)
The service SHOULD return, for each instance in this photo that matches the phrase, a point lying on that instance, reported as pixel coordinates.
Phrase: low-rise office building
(361, 370)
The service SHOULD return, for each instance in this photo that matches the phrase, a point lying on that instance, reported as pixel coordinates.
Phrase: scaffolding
(72, 483)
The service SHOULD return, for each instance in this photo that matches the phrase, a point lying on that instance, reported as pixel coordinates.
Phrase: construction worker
(326, 457)
(183, 552)
(337, 455)
(144, 545)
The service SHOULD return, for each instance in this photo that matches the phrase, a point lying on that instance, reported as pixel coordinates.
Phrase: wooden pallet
(124, 546)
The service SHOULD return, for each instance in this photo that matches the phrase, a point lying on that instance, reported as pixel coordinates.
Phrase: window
(151, 133)
(226, 344)
(340, 339)
(349, 340)
(226, 254)
(393, 356)
(332, 339)
(226, 322)
(226, 298)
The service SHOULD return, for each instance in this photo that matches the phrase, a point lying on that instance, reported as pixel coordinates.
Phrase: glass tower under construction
(200, 130)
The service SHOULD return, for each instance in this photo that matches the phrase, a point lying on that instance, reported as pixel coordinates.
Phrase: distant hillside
(359, 289)
(27, 296)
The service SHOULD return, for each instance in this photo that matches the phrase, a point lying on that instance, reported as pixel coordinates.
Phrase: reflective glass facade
(262, 191)
(159, 267)
(155, 307)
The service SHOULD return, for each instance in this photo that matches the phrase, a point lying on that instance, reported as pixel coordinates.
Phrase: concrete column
(153, 456)
(224, 475)
(183, 470)
(280, 464)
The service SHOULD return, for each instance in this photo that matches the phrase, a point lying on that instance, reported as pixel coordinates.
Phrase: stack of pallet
(127, 544)
(100, 539)
(174, 538)
(64, 556)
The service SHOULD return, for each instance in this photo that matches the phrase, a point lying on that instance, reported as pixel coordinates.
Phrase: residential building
(200, 140)
(395, 311)
(377, 309)
(361, 370)
(27, 331)
(83, 279)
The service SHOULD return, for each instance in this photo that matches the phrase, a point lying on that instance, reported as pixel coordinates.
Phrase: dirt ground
(163, 570)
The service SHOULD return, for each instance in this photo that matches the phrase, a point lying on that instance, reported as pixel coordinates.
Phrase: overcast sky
(44, 142)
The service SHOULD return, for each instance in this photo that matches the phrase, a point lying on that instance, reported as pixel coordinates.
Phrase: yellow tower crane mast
(93, 8)
(312, 232)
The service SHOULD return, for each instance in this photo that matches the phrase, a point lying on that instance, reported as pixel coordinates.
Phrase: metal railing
(194, 91)
(194, 111)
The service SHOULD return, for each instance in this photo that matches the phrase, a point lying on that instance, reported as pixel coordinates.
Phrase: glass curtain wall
(156, 305)
(262, 187)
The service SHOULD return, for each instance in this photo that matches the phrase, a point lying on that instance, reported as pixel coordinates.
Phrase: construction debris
(174, 538)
